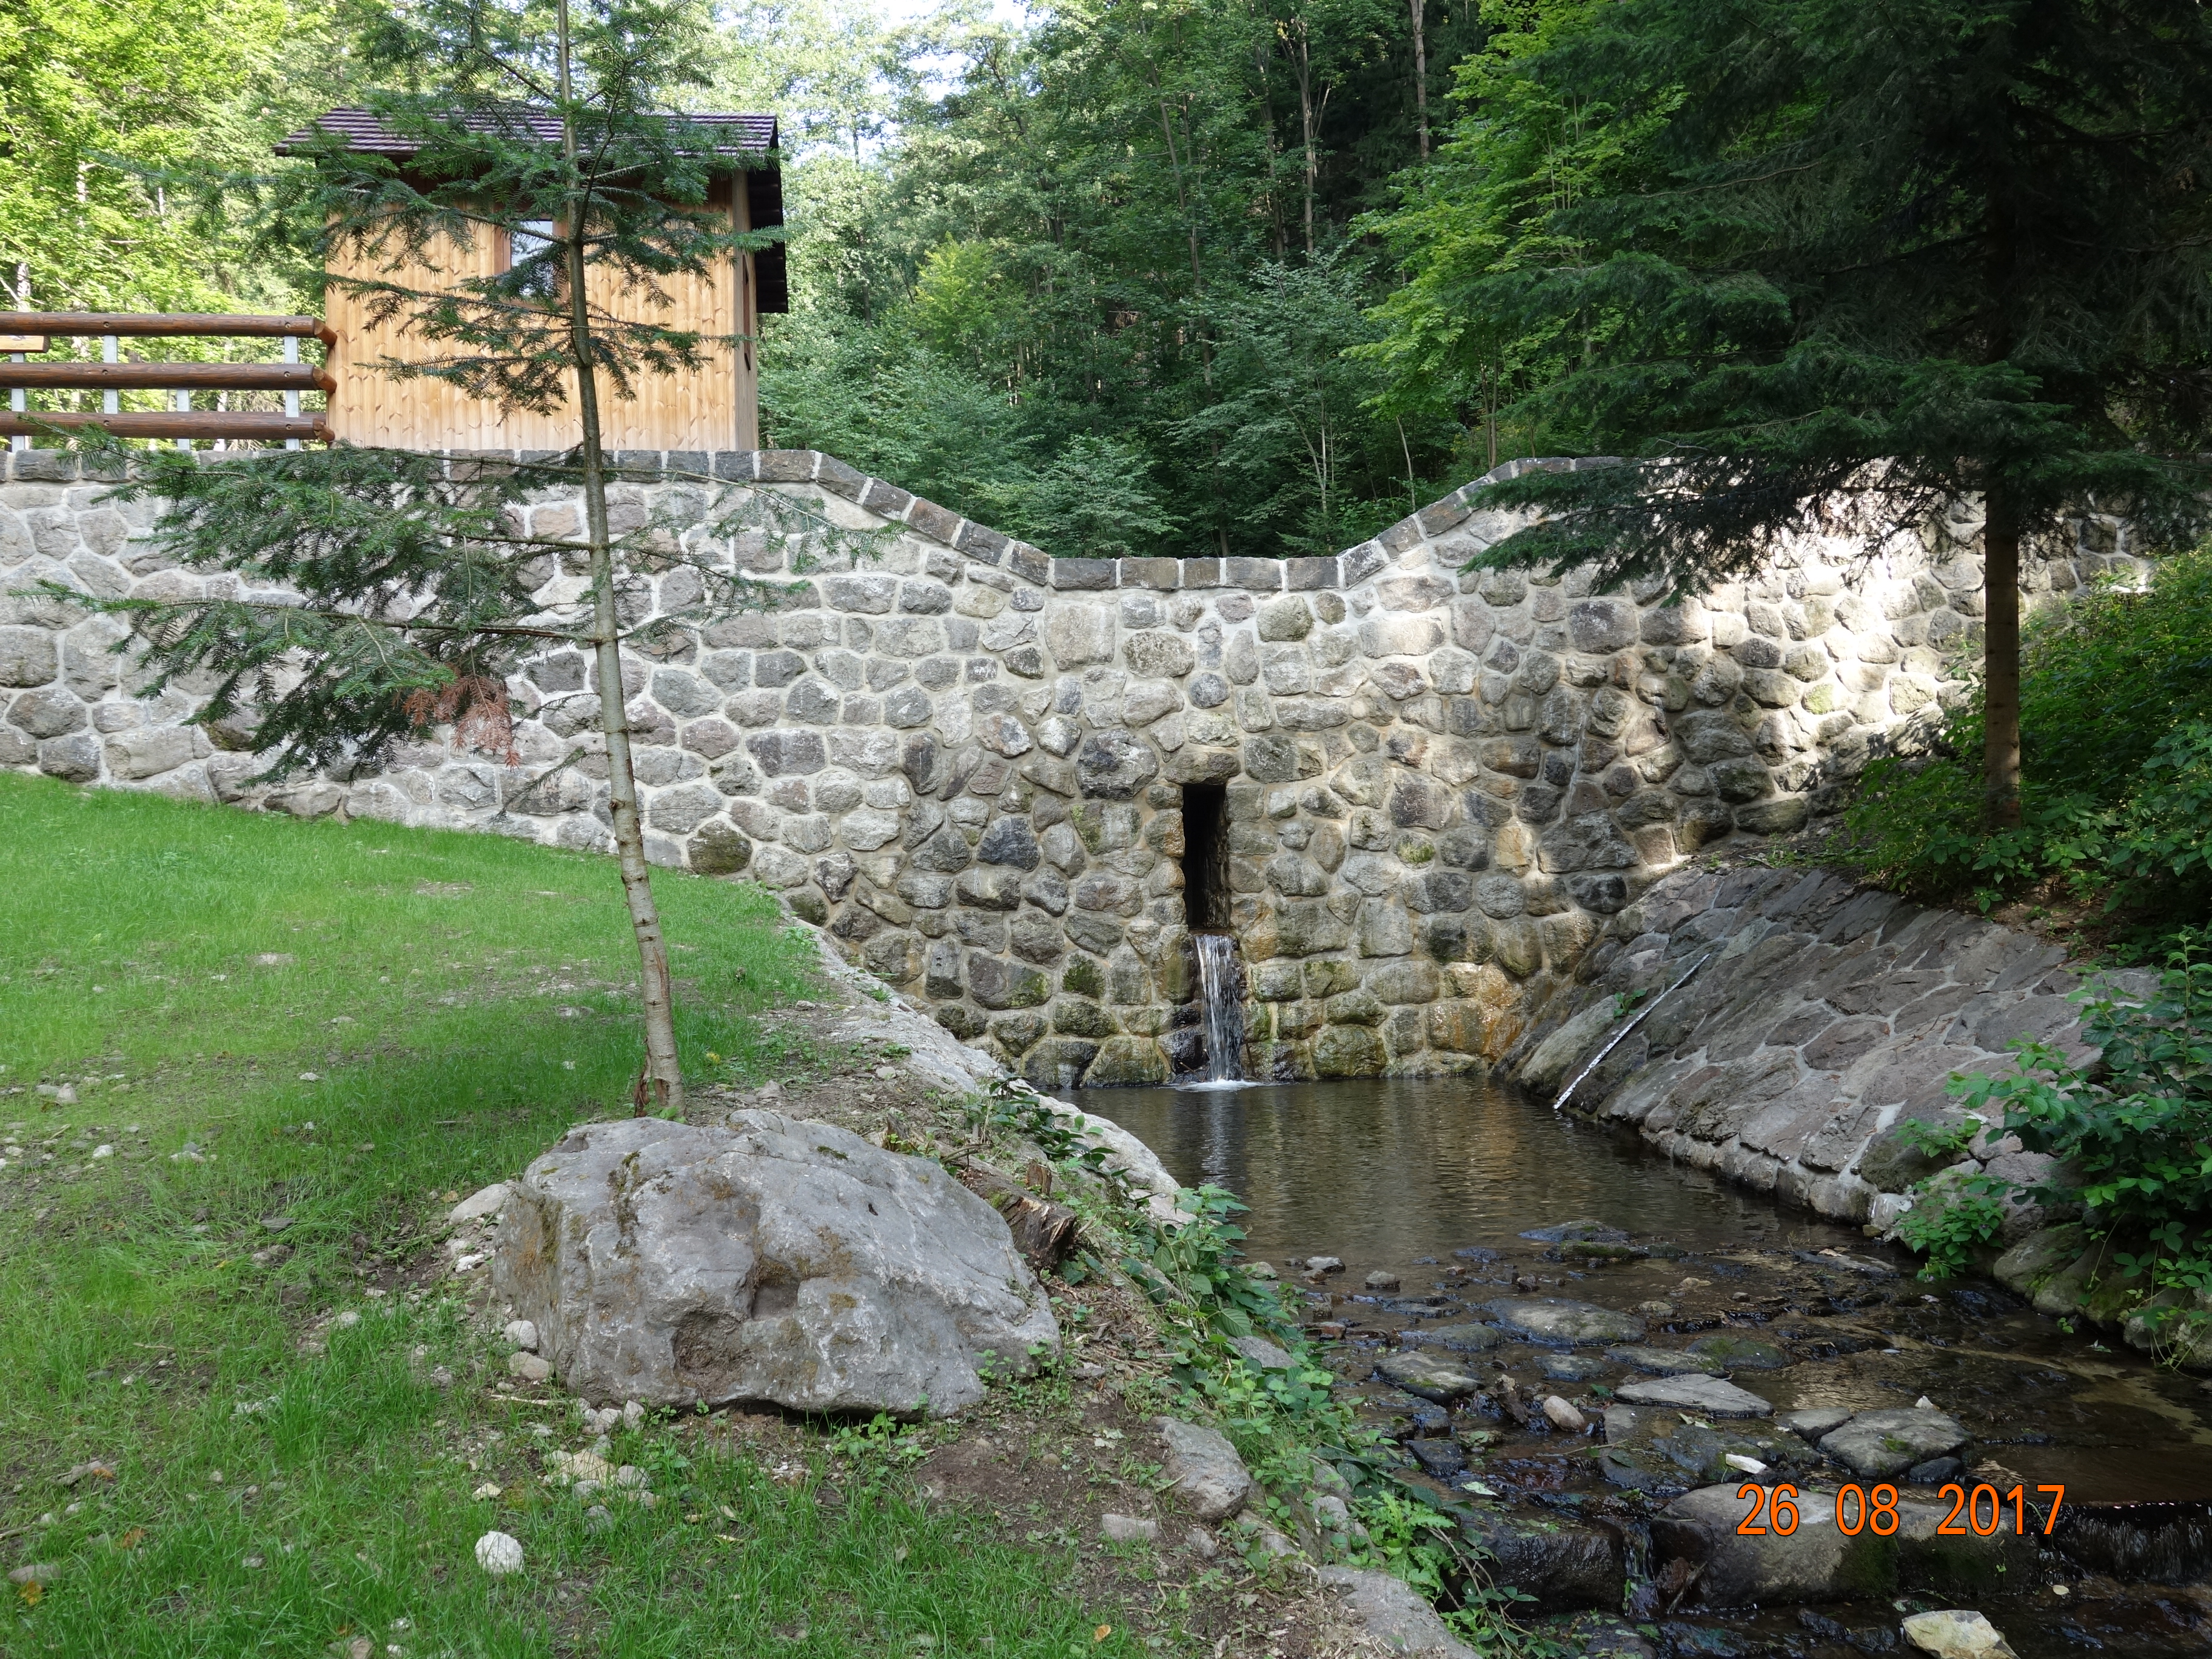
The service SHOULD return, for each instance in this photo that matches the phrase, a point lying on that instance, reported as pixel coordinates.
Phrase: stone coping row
(977, 541)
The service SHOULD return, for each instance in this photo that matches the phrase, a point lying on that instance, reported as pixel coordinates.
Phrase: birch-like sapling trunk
(662, 1069)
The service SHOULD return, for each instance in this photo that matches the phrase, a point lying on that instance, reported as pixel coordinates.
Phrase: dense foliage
(1099, 288)
(1767, 251)
(97, 99)
(2117, 731)
(1804, 267)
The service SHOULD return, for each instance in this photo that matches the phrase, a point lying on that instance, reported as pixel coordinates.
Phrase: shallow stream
(1433, 1183)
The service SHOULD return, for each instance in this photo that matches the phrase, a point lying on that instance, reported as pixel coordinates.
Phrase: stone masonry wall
(972, 762)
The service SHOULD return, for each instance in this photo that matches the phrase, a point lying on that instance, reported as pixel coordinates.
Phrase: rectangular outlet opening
(1205, 857)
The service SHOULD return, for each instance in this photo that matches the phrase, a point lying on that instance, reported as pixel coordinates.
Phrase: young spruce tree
(1795, 258)
(405, 592)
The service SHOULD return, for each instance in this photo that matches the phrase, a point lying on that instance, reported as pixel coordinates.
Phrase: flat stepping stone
(1441, 1459)
(1584, 1231)
(1427, 1375)
(1597, 1250)
(1666, 1362)
(1555, 1319)
(1460, 1339)
(1882, 1444)
(1817, 1421)
(1708, 1394)
(1573, 1367)
(1737, 1352)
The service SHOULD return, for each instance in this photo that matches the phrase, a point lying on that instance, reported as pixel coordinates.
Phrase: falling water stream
(1217, 979)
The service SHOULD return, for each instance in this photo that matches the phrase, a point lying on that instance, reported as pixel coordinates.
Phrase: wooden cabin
(716, 408)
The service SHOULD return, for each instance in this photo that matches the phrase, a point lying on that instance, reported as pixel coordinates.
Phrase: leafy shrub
(2116, 734)
(2131, 1130)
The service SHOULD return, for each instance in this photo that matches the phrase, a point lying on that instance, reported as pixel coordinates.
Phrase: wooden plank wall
(717, 407)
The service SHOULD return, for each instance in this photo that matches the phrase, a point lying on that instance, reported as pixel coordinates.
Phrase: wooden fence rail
(23, 333)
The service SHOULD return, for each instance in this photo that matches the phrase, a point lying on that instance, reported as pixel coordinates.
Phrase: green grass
(460, 1000)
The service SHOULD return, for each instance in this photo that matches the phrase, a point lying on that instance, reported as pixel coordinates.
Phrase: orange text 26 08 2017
(1979, 1511)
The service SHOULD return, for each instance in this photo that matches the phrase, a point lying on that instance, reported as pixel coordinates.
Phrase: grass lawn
(248, 1062)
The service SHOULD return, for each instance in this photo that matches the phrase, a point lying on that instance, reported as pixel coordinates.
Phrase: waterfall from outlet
(1224, 1011)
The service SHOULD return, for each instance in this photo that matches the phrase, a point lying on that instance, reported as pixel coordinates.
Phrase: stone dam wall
(1010, 785)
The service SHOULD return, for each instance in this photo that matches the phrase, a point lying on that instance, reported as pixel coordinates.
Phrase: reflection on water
(1380, 1171)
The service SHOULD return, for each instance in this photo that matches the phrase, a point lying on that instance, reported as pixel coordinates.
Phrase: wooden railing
(24, 334)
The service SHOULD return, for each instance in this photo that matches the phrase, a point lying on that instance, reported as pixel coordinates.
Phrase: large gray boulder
(776, 1260)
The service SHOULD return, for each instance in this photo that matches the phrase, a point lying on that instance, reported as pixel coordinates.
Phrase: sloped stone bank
(1776, 1024)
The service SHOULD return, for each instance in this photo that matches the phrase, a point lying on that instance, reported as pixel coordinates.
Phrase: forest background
(1108, 276)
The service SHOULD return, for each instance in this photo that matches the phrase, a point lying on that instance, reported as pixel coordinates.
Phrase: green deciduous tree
(1791, 259)
(96, 98)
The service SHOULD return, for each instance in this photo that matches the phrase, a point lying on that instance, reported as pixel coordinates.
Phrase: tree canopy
(1791, 261)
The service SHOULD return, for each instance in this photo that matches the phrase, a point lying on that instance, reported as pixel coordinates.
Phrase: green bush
(2130, 1129)
(2116, 737)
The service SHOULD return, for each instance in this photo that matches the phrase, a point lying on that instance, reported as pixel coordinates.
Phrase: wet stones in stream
(1666, 1362)
(1429, 1375)
(1730, 1352)
(1457, 1339)
(1654, 1450)
(1877, 1445)
(1698, 1549)
(1565, 1565)
(1692, 1392)
(1556, 1319)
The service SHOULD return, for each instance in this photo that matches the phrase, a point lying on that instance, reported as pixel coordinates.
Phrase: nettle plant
(388, 594)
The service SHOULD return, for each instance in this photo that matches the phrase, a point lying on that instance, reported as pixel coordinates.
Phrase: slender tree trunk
(662, 1069)
(1300, 50)
(2001, 659)
(1419, 9)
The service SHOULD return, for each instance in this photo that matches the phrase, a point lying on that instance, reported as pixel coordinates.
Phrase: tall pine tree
(1784, 255)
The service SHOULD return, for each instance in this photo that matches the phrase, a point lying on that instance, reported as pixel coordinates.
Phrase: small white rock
(1748, 1465)
(1563, 1416)
(529, 1367)
(1130, 1529)
(633, 1414)
(485, 1492)
(103, 1152)
(499, 1554)
(522, 1334)
(488, 1201)
(1956, 1633)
